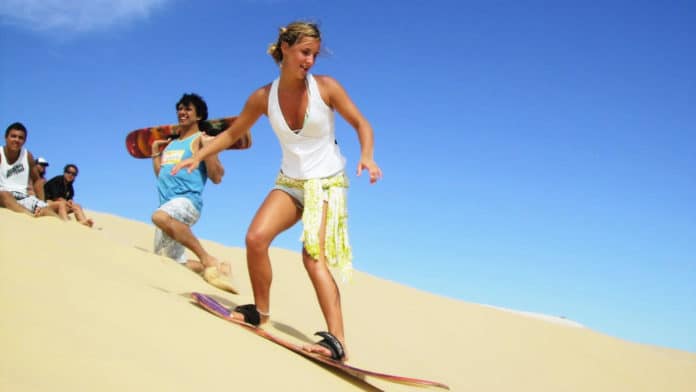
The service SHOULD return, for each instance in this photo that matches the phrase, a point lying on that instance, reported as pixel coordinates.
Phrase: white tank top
(14, 177)
(312, 152)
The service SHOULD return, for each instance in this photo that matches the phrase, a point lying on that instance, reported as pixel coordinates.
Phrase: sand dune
(94, 310)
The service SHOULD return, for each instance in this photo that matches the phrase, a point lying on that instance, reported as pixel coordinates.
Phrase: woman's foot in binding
(330, 346)
(250, 315)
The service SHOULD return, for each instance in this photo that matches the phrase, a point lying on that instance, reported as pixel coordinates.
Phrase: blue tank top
(183, 184)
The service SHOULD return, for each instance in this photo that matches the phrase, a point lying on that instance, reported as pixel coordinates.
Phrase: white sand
(93, 310)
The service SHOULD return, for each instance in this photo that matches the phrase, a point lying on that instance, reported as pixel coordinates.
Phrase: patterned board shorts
(183, 210)
(31, 203)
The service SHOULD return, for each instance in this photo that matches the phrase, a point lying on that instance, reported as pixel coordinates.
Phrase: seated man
(60, 189)
(16, 171)
(40, 166)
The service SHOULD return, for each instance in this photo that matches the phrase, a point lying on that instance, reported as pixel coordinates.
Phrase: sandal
(333, 344)
(251, 315)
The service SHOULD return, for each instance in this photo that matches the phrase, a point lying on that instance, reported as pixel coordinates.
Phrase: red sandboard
(139, 142)
(221, 311)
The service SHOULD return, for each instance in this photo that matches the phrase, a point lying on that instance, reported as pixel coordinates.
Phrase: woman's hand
(189, 164)
(371, 166)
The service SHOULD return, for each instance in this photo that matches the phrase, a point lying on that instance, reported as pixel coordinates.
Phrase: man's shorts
(183, 210)
(31, 203)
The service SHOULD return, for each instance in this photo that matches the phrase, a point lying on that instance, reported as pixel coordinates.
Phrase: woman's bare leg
(327, 292)
(277, 213)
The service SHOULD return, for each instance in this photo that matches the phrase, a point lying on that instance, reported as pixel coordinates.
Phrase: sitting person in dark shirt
(61, 188)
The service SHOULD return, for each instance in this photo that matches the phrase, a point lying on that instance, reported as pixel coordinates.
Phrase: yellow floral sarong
(336, 246)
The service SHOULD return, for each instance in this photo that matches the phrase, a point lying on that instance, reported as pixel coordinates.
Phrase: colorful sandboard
(139, 141)
(214, 307)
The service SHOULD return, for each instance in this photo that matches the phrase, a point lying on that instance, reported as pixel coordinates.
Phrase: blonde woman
(311, 185)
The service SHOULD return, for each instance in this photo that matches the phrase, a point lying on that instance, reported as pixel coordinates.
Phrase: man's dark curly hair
(197, 102)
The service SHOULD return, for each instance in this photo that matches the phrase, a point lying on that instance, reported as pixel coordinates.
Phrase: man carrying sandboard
(180, 195)
(140, 142)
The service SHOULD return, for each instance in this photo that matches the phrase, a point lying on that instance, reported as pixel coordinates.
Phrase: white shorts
(31, 203)
(183, 210)
(298, 194)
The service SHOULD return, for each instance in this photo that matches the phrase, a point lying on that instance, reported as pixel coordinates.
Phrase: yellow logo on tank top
(172, 157)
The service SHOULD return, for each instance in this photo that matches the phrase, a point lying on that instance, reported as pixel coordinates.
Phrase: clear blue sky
(537, 155)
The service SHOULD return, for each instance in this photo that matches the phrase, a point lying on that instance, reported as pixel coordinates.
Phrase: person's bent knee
(59, 205)
(5, 198)
(257, 241)
(160, 218)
